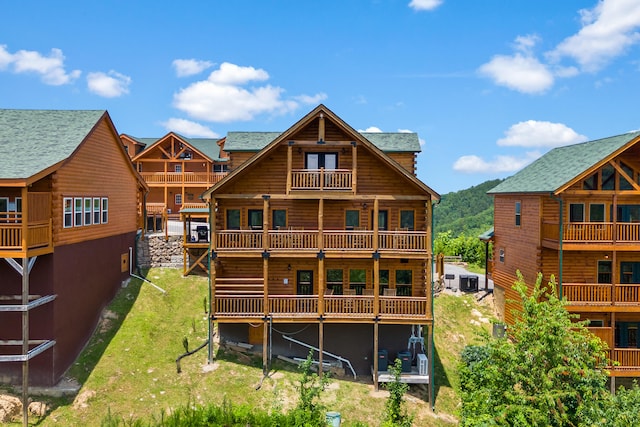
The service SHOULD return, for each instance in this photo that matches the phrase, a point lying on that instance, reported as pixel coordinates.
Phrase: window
(596, 323)
(219, 168)
(596, 212)
(623, 183)
(105, 210)
(334, 280)
(608, 178)
(96, 210)
(628, 213)
(77, 221)
(87, 211)
(384, 281)
(279, 218)
(233, 219)
(178, 168)
(501, 255)
(576, 212)
(404, 280)
(604, 271)
(382, 220)
(4, 207)
(321, 160)
(518, 214)
(590, 183)
(407, 220)
(352, 219)
(255, 219)
(358, 280)
(178, 199)
(67, 204)
(18, 208)
(630, 272)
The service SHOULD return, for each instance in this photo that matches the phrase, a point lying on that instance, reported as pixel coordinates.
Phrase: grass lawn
(129, 367)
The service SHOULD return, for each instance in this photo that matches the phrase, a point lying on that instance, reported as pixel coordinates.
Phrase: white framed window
(96, 210)
(67, 212)
(87, 211)
(178, 199)
(77, 210)
(518, 213)
(178, 168)
(105, 210)
(501, 255)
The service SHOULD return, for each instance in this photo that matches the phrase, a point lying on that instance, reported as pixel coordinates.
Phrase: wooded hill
(466, 212)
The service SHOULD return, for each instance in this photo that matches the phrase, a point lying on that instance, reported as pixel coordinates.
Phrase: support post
(320, 347)
(25, 341)
(375, 354)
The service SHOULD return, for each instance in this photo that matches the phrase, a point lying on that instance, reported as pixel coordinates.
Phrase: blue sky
(488, 85)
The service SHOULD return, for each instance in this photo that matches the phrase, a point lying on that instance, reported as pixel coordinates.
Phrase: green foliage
(548, 372)
(470, 248)
(309, 412)
(468, 212)
(395, 414)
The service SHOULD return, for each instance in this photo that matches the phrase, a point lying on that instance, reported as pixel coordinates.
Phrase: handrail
(342, 359)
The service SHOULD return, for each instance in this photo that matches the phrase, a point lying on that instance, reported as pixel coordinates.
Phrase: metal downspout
(433, 323)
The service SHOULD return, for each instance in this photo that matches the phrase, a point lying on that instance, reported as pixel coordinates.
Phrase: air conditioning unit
(423, 369)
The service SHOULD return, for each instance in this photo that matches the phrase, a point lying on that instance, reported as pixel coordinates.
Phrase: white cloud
(50, 68)
(108, 85)
(528, 134)
(424, 4)
(311, 100)
(500, 164)
(520, 72)
(190, 67)
(188, 128)
(371, 129)
(223, 97)
(534, 133)
(608, 30)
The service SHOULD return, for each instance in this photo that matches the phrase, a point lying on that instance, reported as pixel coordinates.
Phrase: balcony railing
(348, 240)
(321, 179)
(602, 294)
(180, 178)
(593, 232)
(39, 225)
(623, 359)
(335, 306)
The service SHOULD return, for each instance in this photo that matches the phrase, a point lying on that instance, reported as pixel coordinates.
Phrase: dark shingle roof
(561, 165)
(34, 140)
(386, 141)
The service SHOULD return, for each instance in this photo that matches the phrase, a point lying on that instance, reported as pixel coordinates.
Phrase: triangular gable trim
(598, 165)
(165, 138)
(307, 119)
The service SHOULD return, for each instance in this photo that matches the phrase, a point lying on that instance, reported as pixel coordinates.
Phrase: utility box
(464, 282)
(405, 358)
(423, 368)
(473, 284)
(383, 360)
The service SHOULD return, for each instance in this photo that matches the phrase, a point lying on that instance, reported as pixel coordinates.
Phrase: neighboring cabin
(323, 234)
(575, 214)
(69, 198)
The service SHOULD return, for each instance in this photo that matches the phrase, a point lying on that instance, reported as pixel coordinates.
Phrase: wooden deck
(35, 237)
(412, 377)
(311, 308)
(624, 295)
(592, 233)
(182, 178)
(327, 240)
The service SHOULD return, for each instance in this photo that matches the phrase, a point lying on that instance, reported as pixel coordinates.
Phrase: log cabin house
(68, 201)
(575, 214)
(321, 237)
(177, 170)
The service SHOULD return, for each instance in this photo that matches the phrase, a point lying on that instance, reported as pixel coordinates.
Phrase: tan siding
(99, 168)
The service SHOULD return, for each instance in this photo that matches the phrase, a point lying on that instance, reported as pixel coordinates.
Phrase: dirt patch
(82, 400)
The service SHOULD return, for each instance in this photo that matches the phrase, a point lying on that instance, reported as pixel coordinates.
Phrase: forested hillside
(468, 212)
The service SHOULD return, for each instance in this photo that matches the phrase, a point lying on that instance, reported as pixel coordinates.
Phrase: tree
(395, 414)
(548, 371)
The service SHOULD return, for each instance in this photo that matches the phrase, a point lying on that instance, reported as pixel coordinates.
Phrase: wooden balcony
(332, 240)
(625, 361)
(322, 179)
(182, 178)
(337, 308)
(39, 231)
(602, 294)
(593, 232)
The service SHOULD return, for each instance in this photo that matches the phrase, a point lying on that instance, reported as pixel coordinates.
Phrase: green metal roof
(385, 141)
(207, 146)
(487, 235)
(34, 140)
(560, 165)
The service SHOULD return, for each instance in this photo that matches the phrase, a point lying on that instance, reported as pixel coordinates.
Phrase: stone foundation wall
(155, 251)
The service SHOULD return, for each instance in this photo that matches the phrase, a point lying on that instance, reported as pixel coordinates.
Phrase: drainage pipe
(139, 277)
(342, 359)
